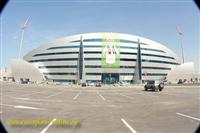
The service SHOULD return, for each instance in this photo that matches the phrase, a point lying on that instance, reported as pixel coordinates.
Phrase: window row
(98, 74)
(105, 40)
(99, 52)
(99, 59)
(99, 46)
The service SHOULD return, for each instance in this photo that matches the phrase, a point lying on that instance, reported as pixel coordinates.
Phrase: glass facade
(64, 66)
(102, 40)
(53, 60)
(59, 73)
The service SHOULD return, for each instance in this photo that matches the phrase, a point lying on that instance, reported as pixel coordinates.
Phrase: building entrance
(110, 78)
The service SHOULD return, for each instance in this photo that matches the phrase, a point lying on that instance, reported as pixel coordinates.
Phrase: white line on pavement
(100, 95)
(27, 107)
(42, 100)
(27, 102)
(47, 127)
(132, 130)
(6, 105)
(55, 94)
(126, 96)
(34, 93)
(22, 98)
(75, 97)
(188, 116)
(22, 107)
(144, 94)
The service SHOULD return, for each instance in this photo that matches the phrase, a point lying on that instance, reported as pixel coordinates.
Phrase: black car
(154, 85)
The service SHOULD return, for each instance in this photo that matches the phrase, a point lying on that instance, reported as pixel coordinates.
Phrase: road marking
(75, 97)
(35, 93)
(43, 100)
(22, 107)
(126, 96)
(6, 105)
(27, 102)
(188, 116)
(47, 127)
(55, 94)
(100, 95)
(132, 130)
(22, 98)
(27, 107)
(144, 94)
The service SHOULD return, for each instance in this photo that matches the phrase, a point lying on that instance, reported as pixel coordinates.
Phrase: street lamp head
(179, 31)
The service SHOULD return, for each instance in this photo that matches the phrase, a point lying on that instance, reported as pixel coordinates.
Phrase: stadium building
(103, 57)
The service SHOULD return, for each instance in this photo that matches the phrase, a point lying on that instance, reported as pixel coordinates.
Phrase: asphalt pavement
(106, 109)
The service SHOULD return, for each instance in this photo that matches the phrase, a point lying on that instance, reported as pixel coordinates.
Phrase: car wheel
(160, 89)
(161, 86)
(145, 88)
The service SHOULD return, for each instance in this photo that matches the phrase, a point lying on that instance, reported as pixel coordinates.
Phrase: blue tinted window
(92, 52)
(92, 46)
(93, 73)
(59, 73)
(93, 80)
(102, 40)
(127, 59)
(99, 46)
(62, 80)
(156, 61)
(62, 47)
(56, 59)
(158, 56)
(150, 49)
(154, 74)
(91, 59)
(93, 66)
(128, 53)
(160, 68)
(123, 74)
(126, 74)
(57, 66)
(55, 53)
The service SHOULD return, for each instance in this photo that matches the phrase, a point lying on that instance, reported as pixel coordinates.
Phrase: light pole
(24, 26)
(181, 38)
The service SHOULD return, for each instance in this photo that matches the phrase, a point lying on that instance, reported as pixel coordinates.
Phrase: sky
(51, 19)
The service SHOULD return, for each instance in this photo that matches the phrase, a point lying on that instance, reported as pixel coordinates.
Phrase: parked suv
(154, 85)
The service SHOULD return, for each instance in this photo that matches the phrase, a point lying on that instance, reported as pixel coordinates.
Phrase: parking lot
(105, 109)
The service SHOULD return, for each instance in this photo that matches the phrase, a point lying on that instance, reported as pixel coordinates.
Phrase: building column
(137, 78)
(81, 66)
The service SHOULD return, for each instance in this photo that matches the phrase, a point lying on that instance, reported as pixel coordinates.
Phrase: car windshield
(151, 82)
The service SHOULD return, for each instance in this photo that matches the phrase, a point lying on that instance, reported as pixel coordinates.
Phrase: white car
(90, 84)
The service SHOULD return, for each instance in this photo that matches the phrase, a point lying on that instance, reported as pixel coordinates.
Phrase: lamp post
(181, 38)
(23, 27)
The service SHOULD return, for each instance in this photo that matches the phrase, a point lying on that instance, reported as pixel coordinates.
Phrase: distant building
(183, 73)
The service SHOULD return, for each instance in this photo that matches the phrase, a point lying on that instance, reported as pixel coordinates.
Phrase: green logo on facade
(110, 51)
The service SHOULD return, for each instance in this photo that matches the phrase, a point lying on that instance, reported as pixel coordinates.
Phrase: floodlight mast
(23, 27)
(181, 38)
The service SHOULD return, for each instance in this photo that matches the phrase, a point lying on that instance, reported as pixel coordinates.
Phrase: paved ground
(102, 110)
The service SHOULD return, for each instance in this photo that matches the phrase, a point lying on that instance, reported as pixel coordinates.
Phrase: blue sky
(156, 20)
